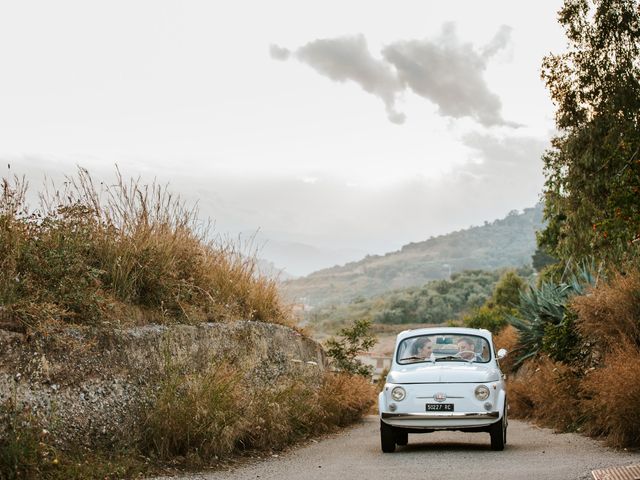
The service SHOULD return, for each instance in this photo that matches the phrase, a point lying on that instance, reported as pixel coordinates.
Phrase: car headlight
(482, 392)
(398, 394)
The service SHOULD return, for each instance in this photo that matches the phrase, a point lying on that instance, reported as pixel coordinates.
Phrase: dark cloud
(443, 70)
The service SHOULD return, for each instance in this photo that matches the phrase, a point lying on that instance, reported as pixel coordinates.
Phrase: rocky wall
(92, 388)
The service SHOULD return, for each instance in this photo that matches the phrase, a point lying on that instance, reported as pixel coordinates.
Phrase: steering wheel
(459, 354)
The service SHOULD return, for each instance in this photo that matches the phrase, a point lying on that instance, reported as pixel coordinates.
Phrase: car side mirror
(501, 354)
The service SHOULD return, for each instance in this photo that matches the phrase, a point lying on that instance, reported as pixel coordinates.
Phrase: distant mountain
(269, 269)
(300, 259)
(508, 242)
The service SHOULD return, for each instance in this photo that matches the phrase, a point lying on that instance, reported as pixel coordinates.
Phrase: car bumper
(441, 416)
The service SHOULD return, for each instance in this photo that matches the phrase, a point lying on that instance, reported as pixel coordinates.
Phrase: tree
(541, 259)
(507, 291)
(592, 170)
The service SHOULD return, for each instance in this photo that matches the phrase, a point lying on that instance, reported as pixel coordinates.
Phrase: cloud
(449, 73)
(348, 58)
(500, 40)
(279, 53)
(330, 211)
(443, 70)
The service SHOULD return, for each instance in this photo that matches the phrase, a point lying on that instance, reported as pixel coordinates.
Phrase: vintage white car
(443, 379)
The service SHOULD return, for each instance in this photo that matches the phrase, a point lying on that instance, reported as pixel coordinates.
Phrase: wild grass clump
(196, 414)
(610, 314)
(197, 419)
(612, 397)
(345, 398)
(200, 418)
(122, 254)
(546, 392)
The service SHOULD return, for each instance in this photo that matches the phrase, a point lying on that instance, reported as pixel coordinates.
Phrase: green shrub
(492, 319)
(543, 310)
(343, 351)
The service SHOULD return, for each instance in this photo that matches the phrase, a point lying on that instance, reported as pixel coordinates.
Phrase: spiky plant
(543, 320)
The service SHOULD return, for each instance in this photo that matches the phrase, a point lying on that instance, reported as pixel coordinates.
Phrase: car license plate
(439, 407)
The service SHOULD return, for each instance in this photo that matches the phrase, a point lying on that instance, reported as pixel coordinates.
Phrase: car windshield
(443, 347)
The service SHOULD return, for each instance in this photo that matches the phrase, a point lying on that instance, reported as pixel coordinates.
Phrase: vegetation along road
(354, 454)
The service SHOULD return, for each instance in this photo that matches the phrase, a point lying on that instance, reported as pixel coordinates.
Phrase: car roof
(441, 330)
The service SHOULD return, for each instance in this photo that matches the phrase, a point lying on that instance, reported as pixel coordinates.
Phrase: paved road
(532, 453)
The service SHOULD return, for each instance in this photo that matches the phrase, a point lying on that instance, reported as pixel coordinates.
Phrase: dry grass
(198, 418)
(610, 314)
(547, 392)
(107, 254)
(612, 397)
(507, 338)
(196, 414)
(345, 398)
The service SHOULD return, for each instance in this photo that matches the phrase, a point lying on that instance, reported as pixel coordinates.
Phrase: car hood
(444, 373)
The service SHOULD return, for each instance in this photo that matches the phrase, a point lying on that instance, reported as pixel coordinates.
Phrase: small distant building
(380, 364)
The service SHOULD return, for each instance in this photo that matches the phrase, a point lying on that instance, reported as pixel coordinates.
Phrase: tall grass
(547, 392)
(123, 253)
(612, 397)
(610, 314)
(200, 417)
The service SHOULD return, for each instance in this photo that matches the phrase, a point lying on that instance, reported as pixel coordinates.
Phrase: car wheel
(402, 437)
(498, 432)
(387, 438)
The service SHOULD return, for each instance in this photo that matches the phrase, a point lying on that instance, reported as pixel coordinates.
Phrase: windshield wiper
(456, 358)
(413, 357)
(449, 357)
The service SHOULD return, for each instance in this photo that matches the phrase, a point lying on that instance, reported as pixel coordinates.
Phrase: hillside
(507, 242)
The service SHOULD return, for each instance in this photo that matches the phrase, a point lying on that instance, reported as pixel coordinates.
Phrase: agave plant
(543, 309)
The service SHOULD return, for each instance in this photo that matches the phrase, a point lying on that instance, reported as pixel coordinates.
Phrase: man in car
(467, 349)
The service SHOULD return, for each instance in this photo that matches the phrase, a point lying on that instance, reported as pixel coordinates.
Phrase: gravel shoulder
(354, 454)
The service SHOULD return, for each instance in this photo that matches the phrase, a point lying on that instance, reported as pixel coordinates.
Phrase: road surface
(532, 453)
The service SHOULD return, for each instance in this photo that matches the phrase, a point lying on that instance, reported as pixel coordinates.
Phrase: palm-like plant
(545, 306)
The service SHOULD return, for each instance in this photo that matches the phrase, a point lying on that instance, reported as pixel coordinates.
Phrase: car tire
(498, 432)
(402, 437)
(387, 438)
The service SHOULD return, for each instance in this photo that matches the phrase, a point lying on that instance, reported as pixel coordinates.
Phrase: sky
(326, 130)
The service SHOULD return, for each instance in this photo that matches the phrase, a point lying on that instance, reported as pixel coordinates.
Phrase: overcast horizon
(350, 129)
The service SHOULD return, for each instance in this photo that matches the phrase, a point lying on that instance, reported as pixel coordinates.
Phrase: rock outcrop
(91, 388)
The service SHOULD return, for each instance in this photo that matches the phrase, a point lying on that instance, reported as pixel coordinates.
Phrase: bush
(343, 351)
(595, 386)
(198, 417)
(544, 311)
(125, 253)
(196, 414)
(612, 397)
(545, 391)
(507, 291)
(610, 314)
(492, 319)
